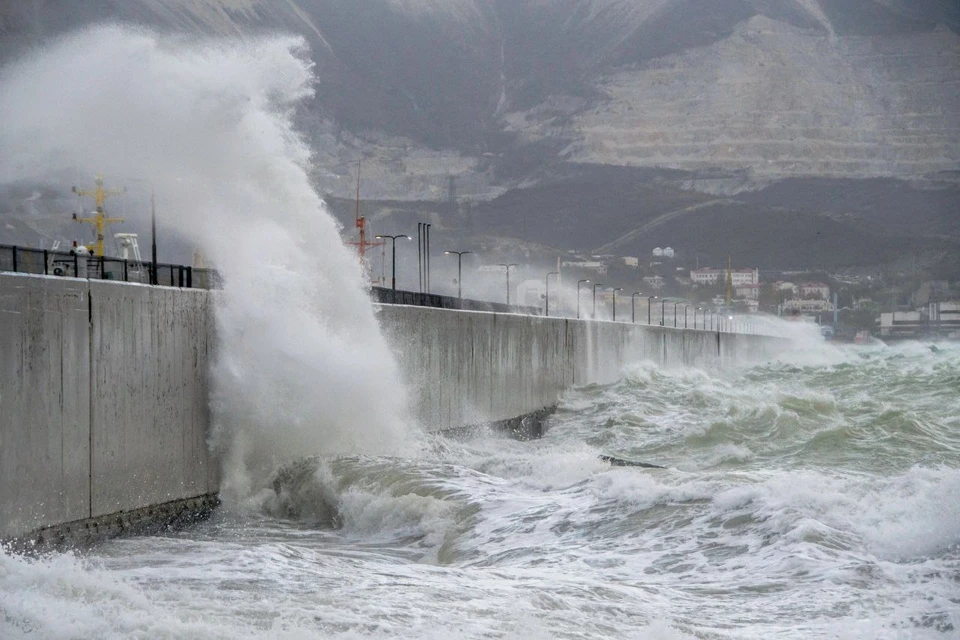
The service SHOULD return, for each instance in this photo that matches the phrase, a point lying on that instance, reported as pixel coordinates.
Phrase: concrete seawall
(467, 367)
(103, 403)
(103, 391)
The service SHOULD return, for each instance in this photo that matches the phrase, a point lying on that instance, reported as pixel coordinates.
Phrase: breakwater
(104, 390)
(103, 402)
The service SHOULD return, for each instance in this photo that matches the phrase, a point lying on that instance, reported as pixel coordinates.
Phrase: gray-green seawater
(813, 497)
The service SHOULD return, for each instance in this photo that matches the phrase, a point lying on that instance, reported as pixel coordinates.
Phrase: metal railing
(69, 264)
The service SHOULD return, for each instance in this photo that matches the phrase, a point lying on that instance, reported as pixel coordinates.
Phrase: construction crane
(100, 220)
(361, 224)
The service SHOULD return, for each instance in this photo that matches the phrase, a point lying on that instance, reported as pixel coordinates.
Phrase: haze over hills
(594, 118)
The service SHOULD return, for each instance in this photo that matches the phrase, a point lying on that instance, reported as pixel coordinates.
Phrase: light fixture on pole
(633, 306)
(579, 282)
(394, 272)
(459, 255)
(599, 284)
(615, 302)
(507, 269)
(650, 300)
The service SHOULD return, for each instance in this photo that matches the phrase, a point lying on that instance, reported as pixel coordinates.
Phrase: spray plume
(209, 123)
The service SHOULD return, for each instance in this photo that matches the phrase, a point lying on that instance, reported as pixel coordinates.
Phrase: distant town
(888, 304)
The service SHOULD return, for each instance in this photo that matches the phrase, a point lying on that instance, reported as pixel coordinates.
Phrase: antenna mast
(100, 220)
(361, 224)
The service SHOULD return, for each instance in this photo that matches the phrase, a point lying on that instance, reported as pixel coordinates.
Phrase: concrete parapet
(150, 348)
(466, 368)
(103, 401)
(44, 402)
(104, 392)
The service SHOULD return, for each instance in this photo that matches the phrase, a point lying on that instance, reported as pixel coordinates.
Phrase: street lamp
(633, 306)
(507, 268)
(394, 239)
(459, 255)
(615, 302)
(650, 300)
(663, 313)
(579, 282)
(546, 282)
(599, 284)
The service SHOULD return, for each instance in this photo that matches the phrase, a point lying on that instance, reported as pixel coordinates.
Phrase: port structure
(100, 220)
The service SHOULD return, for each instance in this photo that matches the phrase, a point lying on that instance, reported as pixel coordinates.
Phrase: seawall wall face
(104, 388)
(103, 399)
(465, 367)
(150, 348)
(44, 402)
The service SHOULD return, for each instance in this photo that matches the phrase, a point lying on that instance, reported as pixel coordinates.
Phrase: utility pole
(100, 220)
(153, 236)
(546, 286)
(394, 271)
(459, 255)
(507, 268)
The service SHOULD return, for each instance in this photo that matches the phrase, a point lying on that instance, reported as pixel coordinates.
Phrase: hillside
(823, 107)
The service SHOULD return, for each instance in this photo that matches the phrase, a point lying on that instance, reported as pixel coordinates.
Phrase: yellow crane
(100, 220)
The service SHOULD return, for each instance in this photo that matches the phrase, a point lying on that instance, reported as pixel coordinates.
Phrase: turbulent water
(816, 499)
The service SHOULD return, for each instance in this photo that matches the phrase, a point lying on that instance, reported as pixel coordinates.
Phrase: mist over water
(208, 123)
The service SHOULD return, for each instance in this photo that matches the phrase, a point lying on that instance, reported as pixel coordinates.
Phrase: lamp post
(153, 227)
(459, 255)
(394, 272)
(546, 282)
(507, 269)
(695, 318)
(579, 282)
(599, 284)
(650, 300)
(685, 309)
(615, 302)
(633, 306)
(663, 312)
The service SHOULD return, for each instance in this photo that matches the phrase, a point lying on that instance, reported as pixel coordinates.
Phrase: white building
(814, 289)
(599, 268)
(630, 261)
(713, 276)
(807, 306)
(747, 291)
(654, 282)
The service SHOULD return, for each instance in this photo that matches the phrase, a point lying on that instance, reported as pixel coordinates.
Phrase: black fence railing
(390, 296)
(72, 265)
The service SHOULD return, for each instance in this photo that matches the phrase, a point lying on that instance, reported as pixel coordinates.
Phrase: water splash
(301, 366)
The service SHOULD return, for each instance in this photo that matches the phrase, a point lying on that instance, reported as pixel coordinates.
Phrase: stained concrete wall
(103, 399)
(471, 367)
(103, 385)
(148, 395)
(44, 402)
